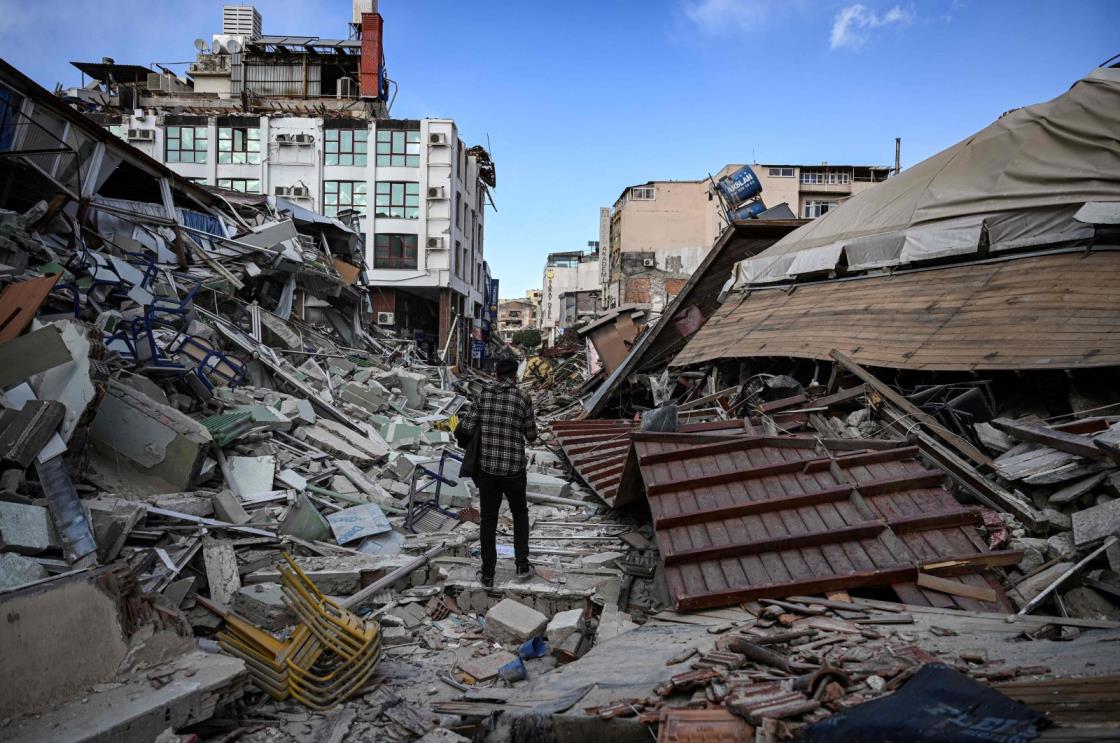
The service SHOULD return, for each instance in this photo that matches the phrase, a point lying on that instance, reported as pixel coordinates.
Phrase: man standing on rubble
(503, 417)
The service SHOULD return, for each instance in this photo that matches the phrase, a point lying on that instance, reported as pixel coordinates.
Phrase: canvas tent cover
(1017, 183)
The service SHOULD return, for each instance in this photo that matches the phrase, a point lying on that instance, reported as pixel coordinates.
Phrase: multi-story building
(568, 272)
(660, 231)
(515, 315)
(306, 120)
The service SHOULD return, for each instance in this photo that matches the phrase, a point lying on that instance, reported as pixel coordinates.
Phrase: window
(397, 199)
(642, 193)
(814, 209)
(398, 148)
(830, 178)
(781, 172)
(339, 195)
(346, 146)
(394, 251)
(244, 185)
(186, 144)
(239, 145)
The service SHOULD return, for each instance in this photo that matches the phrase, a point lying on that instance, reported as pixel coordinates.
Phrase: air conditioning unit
(435, 243)
(385, 318)
(141, 135)
(284, 138)
(303, 139)
(280, 190)
(437, 192)
(437, 139)
(648, 263)
(300, 192)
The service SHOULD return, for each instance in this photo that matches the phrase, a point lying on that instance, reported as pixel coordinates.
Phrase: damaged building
(307, 119)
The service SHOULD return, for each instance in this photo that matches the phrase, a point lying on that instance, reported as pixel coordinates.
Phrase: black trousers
(491, 489)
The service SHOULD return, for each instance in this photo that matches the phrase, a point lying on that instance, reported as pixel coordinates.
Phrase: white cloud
(716, 17)
(853, 24)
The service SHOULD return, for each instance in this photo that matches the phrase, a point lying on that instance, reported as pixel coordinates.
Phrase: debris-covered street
(849, 473)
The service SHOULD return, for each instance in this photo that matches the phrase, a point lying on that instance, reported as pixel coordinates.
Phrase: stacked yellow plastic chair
(330, 656)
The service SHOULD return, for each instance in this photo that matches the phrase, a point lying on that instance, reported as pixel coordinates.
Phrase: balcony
(832, 188)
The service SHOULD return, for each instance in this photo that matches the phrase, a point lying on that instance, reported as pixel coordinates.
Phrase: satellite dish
(200, 44)
(234, 46)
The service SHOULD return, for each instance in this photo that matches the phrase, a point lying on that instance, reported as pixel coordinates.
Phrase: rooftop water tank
(739, 186)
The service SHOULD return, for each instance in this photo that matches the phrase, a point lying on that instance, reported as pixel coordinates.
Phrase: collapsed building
(230, 503)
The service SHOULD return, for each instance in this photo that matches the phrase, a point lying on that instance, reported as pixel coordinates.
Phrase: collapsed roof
(1018, 183)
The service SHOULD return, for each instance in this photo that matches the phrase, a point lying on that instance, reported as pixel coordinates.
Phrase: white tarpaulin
(1021, 179)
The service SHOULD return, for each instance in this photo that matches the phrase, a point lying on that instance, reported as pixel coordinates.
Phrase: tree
(527, 338)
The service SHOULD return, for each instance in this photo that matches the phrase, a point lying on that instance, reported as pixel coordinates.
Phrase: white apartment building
(564, 273)
(304, 119)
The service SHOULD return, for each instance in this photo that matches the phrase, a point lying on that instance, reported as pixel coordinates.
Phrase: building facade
(564, 273)
(305, 119)
(660, 231)
(515, 315)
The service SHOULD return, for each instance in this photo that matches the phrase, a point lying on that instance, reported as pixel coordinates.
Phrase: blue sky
(579, 99)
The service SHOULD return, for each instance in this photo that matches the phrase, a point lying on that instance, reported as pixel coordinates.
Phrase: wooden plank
(955, 588)
(1072, 443)
(912, 410)
(747, 508)
(773, 544)
(20, 301)
(878, 577)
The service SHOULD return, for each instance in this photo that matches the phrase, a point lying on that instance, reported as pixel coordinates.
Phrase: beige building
(515, 315)
(660, 231)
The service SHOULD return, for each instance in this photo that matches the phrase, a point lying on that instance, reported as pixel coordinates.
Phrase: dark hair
(506, 368)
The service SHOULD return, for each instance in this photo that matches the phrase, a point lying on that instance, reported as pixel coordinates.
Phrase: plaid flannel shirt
(503, 416)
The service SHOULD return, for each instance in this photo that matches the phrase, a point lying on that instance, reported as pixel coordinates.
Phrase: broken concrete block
(1060, 546)
(26, 529)
(1028, 588)
(334, 445)
(993, 438)
(299, 410)
(562, 625)
(1034, 552)
(112, 523)
(143, 447)
(371, 396)
(228, 508)
(601, 560)
(1094, 524)
(305, 521)
(435, 438)
(369, 442)
(36, 352)
(222, 575)
(1057, 520)
(24, 432)
(1076, 491)
(341, 484)
(414, 386)
(511, 622)
(263, 605)
(401, 435)
(291, 479)
(547, 485)
(1085, 603)
(69, 383)
(17, 570)
(251, 475)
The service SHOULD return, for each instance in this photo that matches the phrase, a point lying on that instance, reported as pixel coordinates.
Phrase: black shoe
(487, 581)
(524, 574)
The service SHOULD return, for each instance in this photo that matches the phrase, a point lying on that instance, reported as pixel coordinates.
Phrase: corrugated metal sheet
(1058, 311)
(767, 517)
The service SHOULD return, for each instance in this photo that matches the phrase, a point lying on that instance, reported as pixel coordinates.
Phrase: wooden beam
(962, 564)
(865, 530)
(926, 522)
(1071, 443)
(900, 402)
(956, 588)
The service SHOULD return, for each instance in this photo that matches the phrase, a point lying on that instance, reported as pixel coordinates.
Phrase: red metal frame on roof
(768, 517)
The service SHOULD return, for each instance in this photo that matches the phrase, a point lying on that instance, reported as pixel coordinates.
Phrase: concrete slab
(333, 444)
(1094, 524)
(263, 605)
(358, 522)
(26, 529)
(371, 442)
(17, 570)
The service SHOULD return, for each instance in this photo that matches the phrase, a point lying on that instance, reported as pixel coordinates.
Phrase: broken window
(339, 195)
(239, 145)
(346, 146)
(397, 148)
(817, 208)
(397, 199)
(394, 251)
(244, 185)
(186, 144)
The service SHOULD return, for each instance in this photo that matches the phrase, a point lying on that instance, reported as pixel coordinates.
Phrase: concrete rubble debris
(511, 622)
